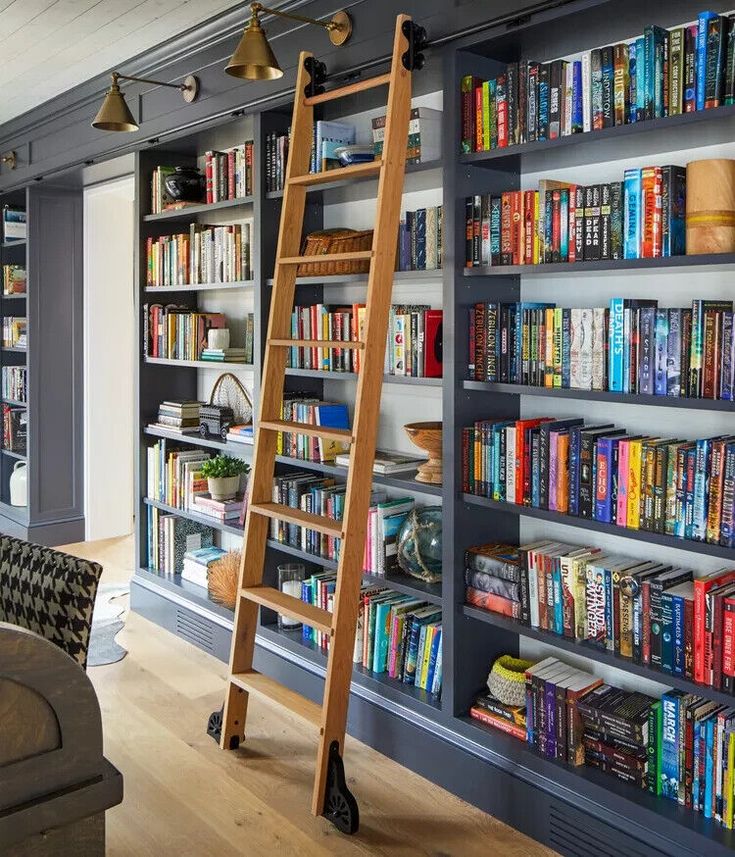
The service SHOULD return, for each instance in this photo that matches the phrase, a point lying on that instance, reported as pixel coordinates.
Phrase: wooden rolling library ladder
(331, 796)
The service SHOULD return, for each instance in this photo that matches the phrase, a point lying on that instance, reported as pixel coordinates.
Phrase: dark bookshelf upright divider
(576, 810)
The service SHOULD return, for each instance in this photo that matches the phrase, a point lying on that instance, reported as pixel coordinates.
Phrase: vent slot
(576, 834)
(194, 630)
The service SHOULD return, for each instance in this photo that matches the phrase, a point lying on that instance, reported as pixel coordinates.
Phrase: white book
(566, 124)
(587, 91)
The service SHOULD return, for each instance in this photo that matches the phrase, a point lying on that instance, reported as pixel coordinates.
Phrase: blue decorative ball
(420, 544)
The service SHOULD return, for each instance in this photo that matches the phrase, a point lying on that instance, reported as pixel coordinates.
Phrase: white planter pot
(223, 487)
(19, 485)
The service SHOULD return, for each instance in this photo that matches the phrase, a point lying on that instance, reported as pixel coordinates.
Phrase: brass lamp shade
(114, 115)
(253, 59)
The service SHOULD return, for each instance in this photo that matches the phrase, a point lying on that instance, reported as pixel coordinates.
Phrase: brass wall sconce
(254, 59)
(115, 115)
(10, 159)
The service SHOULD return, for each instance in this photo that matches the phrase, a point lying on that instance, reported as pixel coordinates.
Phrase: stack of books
(630, 346)
(179, 415)
(229, 174)
(204, 254)
(177, 332)
(14, 224)
(14, 279)
(424, 135)
(169, 539)
(241, 433)
(316, 412)
(492, 577)
(420, 236)
(197, 563)
(15, 383)
(670, 486)
(224, 355)
(276, 156)
(641, 217)
(510, 719)
(15, 429)
(175, 474)
(224, 511)
(387, 462)
(660, 73)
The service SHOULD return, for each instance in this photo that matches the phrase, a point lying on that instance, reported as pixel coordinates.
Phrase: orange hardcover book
(652, 233)
(562, 476)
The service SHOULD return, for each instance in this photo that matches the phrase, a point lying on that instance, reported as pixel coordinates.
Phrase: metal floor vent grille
(195, 630)
(575, 834)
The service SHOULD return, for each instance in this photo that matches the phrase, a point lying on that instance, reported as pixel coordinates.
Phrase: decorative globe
(420, 544)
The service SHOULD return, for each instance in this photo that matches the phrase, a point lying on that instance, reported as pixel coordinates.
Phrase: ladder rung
(317, 343)
(350, 89)
(340, 435)
(350, 256)
(288, 605)
(328, 526)
(255, 682)
(356, 171)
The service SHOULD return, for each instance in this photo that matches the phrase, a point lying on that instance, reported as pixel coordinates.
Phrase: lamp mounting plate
(191, 92)
(340, 33)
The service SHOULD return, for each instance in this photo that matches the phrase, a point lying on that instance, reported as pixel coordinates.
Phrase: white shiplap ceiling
(49, 46)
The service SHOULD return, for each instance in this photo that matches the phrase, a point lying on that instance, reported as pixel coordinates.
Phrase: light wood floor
(186, 798)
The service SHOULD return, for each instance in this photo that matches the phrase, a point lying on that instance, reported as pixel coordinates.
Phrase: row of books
(15, 332)
(170, 537)
(14, 279)
(177, 332)
(424, 135)
(414, 338)
(174, 477)
(397, 635)
(661, 485)
(420, 240)
(660, 73)
(385, 519)
(229, 174)
(15, 429)
(15, 383)
(652, 613)
(631, 346)
(276, 157)
(14, 225)
(314, 411)
(204, 254)
(642, 217)
(310, 493)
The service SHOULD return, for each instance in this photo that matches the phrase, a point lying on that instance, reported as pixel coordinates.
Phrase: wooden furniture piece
(55, 784)
(331, 795)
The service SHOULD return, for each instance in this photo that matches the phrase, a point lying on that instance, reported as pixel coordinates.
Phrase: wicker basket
(335, 241)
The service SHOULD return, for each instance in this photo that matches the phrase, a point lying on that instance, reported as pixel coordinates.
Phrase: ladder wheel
(214, 724)
(340, 806)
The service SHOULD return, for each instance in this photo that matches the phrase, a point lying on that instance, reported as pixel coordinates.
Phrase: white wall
(109, 354)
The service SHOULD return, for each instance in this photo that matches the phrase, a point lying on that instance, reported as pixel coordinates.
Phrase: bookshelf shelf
(544, 147)
(13, 350)
(14, 297)
(198, 364)
(197, 595)
(13, 245)
(194, 516)
(597, 655)
(192, 210)
(600, 527)
(709, 261)
(351, 376)
(15, 403)
(345, 182)
(361, 279)
(601, 396)
(241, 450)
(17, 455)
(201, 287)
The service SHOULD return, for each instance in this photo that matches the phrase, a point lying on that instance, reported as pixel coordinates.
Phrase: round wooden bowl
(428, 437)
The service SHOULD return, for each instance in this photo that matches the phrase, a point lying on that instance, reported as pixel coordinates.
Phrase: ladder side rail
(366, 417)
(269, 407)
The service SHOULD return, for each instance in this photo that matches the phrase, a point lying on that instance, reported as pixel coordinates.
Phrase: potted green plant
(223, 474)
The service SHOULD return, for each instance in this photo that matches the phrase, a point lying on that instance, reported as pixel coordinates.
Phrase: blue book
(633, 83)
(661, 352)
(660, 49)
(520, 308)
(709, 764)
(703, 20)
(728, 358)
(331, 416)
(632, 214)
(649, 72)
(577, 97)
(574, 448)
(673, 347)
(616, 339)
(698, 727)
(679, 598)
(701, 472)
(689, 469)
(604, 486)
(307, 632)
(640, 78)
(558, 600)
(435, 643)
(646, 354)
(543, 104)
(667, 632)
(670, 703)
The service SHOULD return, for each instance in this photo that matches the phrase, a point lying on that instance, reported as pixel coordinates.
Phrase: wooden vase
(710, 214)
(428, 436)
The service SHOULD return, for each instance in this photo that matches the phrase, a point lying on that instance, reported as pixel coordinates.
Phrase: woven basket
(229, 392)
(335, 241)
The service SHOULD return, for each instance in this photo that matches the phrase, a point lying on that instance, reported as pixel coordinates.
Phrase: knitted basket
(507, 680)
(328, 241)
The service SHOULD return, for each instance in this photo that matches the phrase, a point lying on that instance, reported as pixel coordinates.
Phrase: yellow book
(549, 347)
(486, 115)
(634, 483)
(557, 346)
(431, 632)
(728, 785)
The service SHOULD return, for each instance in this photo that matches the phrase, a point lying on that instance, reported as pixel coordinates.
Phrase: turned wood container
(710, 215)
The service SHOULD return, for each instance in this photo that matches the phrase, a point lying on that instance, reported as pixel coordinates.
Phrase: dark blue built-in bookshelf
(578, 811)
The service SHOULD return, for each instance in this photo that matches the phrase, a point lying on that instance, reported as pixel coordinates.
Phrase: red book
(718, 601)
(479, 124)
(572, 231)
(506, 726)
(493, 603)
(529, 226)
(208, 177)
(728, 641)
(516, 220)
(520, 465)
(468, 112)
(231, 174)
(689, 638)
(433, 343)
(555, 225)
(702, 638)
(710, 362)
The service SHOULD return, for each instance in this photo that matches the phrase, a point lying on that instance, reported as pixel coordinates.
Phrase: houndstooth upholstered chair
(48, 592)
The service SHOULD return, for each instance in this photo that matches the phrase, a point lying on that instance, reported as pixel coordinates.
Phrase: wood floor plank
(184, 797)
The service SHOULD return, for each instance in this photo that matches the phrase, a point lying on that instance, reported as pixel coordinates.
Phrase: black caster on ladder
(340, 806)
(214, 724)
